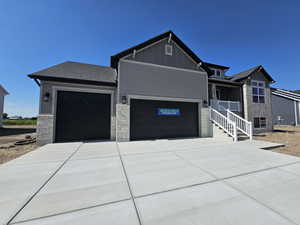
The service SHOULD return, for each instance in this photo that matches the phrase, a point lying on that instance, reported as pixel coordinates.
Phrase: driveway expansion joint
(71, 211)
(224, 181)
(129, 186)
(43, 185)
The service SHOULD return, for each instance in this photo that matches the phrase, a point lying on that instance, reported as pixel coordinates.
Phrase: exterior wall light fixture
(46, 97)
(124, 99)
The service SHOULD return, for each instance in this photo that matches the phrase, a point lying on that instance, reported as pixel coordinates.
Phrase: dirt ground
(9, 135)
(288, 135)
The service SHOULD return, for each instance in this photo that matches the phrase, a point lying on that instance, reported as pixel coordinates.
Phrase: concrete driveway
(190, 181)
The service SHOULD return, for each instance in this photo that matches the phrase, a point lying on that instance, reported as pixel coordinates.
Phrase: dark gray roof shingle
(244, 74)
(77, 71)
(247, 73)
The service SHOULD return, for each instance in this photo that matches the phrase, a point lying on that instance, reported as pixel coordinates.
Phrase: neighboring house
(157, 89)
(3, 93)
(285, 107)
(297, 91)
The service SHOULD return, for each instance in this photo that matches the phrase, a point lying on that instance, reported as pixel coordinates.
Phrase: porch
(225, 96)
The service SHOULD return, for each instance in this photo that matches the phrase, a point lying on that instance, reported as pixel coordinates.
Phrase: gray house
(285, 107)
(157, 89)
(3, 93)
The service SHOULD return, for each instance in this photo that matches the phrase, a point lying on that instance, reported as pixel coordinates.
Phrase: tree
(5, 116)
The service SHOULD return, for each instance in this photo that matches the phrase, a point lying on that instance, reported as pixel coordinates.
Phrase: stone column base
(45, 129)
(206, 124)
(123, 122)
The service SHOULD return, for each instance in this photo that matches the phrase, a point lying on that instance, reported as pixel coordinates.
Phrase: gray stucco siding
(49, 86)
(150, 80)
(156, 54)
(285, 108)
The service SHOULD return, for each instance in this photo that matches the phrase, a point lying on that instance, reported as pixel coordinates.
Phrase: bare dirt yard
(9, 135)
(288, 135)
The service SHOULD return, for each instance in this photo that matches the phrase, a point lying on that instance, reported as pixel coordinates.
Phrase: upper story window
(216, 72)
(168, 49)
(258, 91)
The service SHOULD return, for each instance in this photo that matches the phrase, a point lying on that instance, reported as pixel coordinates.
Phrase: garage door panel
(82, 116)
(146, 123)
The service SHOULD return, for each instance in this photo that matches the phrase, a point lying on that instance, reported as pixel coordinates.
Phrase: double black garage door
(82, 116)
(162, 119)
(87, 116)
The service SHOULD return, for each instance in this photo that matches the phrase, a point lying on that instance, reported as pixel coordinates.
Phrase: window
(218, 73)
(258, 91)
(260, 122)
(169, 50)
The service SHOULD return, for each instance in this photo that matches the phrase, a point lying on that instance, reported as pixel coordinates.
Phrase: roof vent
(168, 49)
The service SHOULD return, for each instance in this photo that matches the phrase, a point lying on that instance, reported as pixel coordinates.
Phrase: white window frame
(168, 49)
(258, 87)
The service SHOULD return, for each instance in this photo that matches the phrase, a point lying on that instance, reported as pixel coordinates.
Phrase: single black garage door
(162, 119)
(82, 116)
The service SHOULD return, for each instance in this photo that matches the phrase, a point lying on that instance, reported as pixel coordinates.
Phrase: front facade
(3, 93)
(157, 89)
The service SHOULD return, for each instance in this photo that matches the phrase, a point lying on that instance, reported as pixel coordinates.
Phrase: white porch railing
(222, 121)
(221, 105)
(241, 124)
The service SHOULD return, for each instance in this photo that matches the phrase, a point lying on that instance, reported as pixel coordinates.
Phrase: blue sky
(36, 34)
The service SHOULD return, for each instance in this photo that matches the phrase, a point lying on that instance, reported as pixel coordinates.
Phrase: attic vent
(169, 50)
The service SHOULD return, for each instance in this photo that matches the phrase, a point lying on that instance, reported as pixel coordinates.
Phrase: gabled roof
(115, 58)
(286, 94)
(217, 66)
(245, 74)
(3, 90)
(78, 73)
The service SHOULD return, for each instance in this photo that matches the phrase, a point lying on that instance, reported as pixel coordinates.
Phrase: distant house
(285, 107)
(3, 92)
(297, 91)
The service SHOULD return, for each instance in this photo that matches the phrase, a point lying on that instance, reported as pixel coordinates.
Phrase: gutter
(70, 80)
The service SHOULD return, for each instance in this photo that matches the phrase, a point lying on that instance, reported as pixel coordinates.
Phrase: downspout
(299, 110)
(296, 117)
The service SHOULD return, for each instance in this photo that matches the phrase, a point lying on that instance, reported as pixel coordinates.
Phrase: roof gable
(169, 34)
(245, 74)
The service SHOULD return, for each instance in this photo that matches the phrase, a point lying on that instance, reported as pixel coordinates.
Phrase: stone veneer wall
(123, 122)
(206, 127)
(45, 129)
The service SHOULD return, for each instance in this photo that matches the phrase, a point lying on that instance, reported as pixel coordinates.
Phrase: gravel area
(288, 135)
(8, 136)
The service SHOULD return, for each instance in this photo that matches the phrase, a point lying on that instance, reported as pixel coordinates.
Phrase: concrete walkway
(189, 181)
